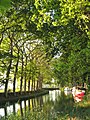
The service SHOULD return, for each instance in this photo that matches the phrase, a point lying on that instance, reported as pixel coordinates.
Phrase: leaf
(4, 5)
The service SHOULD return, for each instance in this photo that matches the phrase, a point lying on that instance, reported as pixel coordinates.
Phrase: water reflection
(53, 106)
(30, 104)
(67, 92)
(54, 94)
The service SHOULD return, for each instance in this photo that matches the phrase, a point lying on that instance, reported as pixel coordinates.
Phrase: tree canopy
(4, 5)
(34, 32)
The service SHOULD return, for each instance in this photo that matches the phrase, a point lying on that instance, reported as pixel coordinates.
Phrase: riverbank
(50, 89)
(25, 95)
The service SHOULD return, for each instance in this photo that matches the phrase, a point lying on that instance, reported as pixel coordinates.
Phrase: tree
(9, 66)
(40, 30)
(4, 5)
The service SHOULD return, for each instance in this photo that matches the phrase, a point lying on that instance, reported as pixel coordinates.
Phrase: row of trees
(73, 65)
(23, 60)
(34, 32)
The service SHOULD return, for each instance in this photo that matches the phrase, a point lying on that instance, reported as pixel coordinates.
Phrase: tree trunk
(32, 84)
(37, 85)
(40, 80)
(21, 80)
(9, 68)
(25, 75)
(15, 74)
(29, 84)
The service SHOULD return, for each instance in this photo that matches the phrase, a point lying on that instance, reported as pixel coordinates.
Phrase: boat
(78, 94)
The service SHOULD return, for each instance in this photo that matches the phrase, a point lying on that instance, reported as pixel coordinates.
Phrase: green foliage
(41, 29)
(4, 5)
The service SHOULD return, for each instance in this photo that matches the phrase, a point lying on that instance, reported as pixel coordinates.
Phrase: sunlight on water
(9, 109)
(53, 94)
(2, 112)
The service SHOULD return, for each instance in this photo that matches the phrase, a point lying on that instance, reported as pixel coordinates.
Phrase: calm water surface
(49, 101)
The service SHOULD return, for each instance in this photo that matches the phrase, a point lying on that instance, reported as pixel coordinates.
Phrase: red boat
(78, 95)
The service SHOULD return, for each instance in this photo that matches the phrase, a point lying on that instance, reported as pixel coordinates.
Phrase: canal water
(22, 106)
(46, 101)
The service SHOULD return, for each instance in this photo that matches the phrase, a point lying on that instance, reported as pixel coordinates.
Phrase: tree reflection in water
(31, 104)
(54, 106)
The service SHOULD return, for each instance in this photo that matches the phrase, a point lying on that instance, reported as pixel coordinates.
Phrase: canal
(46, 102)
(56, 105)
